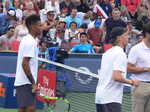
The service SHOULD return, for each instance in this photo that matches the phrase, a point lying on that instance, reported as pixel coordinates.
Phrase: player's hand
(135, 82)
(35, 90)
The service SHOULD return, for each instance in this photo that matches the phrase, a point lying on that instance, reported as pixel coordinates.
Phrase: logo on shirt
(100, 34)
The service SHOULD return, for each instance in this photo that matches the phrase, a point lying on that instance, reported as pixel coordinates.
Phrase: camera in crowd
(48, 42)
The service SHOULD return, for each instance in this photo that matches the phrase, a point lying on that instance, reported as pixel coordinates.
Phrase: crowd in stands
(64, 22)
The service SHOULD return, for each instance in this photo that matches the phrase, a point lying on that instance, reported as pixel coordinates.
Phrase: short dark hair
(140, 35)
(84, 25)
(31, 20)
(146, 29)
(11, 27)
(72, 23)
(16, 19)
(83, 33)
(74, 8)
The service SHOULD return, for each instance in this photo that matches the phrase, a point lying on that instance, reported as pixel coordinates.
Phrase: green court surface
(7, 110)
(84, 102)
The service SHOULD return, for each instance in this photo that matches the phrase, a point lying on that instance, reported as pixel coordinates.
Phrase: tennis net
(78, 88)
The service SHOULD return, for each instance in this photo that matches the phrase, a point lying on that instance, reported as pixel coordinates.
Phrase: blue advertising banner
(7, 91)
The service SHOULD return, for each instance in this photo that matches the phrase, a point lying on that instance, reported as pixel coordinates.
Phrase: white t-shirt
(27, 48)
(108, 90)
(139, 56)
(80, 15)
(91, 24)
(19, 14)
(69, 33)
(6, 43)
(55, 8)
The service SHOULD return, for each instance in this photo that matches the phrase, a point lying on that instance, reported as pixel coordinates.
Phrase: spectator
(64, 12)
(35, 6)
(98, 17)
(5, 20)
(95, 36)
(83, 27)
(9, 3)
(25, 4)
(85, 17)
(18, 10)
(105, 6)
(64, 43)
(6, 40)
(117, 3)
(132, 8)
(83, 47)
(21, 31)
(112, 3)
(140, 38)
(61, 25)
(132, 33)
(124, 15)
(139, 24)
(49, 26)
(91, 3)
(55, 7)
(110, 23)
(42, 51)
(76, 2)
(73, 17)
(83, 7)
(67, 4)
(43, 13)
(71, 34)
(29, 10)
(42, 4)
(1, 6)
(143, 10)
(15, 22)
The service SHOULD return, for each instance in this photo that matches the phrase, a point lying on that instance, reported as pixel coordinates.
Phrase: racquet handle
(40, 94)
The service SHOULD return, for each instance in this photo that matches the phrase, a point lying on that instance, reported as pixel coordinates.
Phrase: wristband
(145, 69)
(31, 79)
(132, 82)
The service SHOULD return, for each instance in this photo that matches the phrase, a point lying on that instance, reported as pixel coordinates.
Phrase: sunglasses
(63, 12)
(52, 15)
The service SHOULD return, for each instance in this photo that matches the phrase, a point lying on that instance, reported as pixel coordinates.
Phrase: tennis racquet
(55, 104)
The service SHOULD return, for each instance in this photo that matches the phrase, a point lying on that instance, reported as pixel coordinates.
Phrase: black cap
(115, 32)
(145, 19)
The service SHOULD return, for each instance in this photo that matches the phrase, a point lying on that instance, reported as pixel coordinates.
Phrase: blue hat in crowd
(97, 23)
(42, 40)
(11, 8)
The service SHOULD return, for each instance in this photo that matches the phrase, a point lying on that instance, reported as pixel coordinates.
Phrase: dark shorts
(25, 97)
(110, 107)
